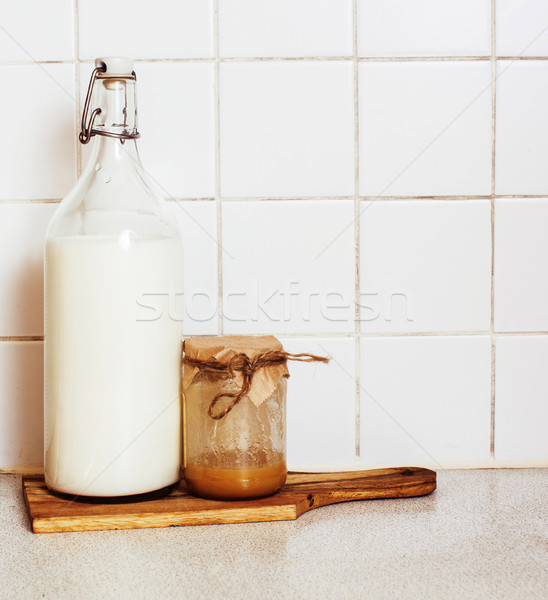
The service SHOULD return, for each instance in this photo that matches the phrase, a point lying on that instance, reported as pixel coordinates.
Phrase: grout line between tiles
(361, 59)
(220, 323)
(240, 59)
(424, 333)
(410, 198)
(542, 196)
(514, 58)
(348, 335)
(30, 63)
(367, 198)
(492, 214)
(229, 59)
(204, 59)
(282, 198)
(357, 357)
(493, 388)
(182, 199)
(400, 334)
(518, 333)
(306, 198)
(496, 334)
(423, 58)
(21, 338)
(377, 198)
(32, 201)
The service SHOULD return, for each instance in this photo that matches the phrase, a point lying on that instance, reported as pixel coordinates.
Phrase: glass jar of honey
(234, 416)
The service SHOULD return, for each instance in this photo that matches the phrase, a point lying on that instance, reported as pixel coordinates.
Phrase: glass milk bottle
(113, 271)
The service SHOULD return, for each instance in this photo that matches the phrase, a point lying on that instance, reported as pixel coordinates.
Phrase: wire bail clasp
(86, 132)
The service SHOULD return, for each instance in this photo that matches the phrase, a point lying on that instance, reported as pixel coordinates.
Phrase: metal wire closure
(87, 131)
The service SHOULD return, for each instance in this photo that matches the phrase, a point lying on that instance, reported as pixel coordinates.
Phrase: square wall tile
(522, 28)
(426, 400)
(425, 128)
(321, 405)
(424, 28)
(22, 235)
(285, 28)
(287, 129)
(30, 32)
(38, 142)
(168, 29)
(21, 404)
(198, 224)
(521, 264)
(521, 128)
(521, 409)
(425, 265)
(177, 124)
(288, 266)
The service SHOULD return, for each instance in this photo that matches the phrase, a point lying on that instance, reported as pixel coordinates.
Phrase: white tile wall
(281, 273)
(21, 401)
(424, 28)
(198, 225)
(22, 235)
(287, 129)
(521, 264)
(425, 128)
(24, 35)
(425, 266)
(426, 400)
(273, 124)
(522, 28)
(321, 407)
(522, 127)
(521, 409)
(167, 29)
(178, 135)
(285, 28)
(39, 123)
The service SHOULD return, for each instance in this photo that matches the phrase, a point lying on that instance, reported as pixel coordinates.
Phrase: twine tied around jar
(247, 367)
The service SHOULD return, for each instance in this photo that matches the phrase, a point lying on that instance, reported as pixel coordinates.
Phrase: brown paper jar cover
(224, 348)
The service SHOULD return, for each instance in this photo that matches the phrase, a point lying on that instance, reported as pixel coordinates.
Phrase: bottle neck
(116, 99)
(115, 126)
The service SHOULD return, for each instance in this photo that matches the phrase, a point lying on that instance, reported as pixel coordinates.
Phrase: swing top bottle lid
(113, 115)
(116, 65)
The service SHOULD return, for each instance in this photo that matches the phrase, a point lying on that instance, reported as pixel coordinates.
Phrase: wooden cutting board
(302, 492)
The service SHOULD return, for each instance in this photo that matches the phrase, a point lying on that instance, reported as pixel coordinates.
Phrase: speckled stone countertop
(483, 534)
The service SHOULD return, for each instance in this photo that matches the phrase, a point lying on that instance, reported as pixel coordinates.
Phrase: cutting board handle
(315, 489)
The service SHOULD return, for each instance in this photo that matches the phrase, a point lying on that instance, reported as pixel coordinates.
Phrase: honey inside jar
(235, 484)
